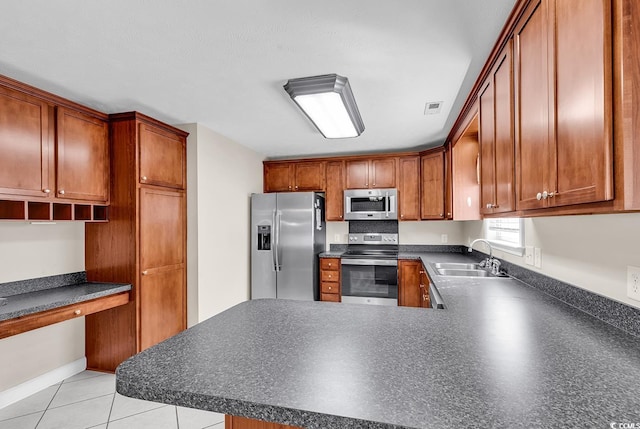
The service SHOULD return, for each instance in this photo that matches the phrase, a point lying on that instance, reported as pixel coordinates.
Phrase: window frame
(514, 249)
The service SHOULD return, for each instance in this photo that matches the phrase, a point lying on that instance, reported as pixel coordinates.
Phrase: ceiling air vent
(432, 107)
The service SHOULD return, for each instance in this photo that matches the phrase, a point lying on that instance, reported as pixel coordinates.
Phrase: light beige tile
(83, 376)
(160, 418)
(82, 390)
(36, 402)
(24, 422)
(79, 415)
(189, 418)
(125, 407)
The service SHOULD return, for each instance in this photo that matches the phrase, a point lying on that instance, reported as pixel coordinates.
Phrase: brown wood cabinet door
(432, 186)
(277, 177)
(235, 422)
(486, 137)
(162, 228)
(357, 174)
(82, 148)
(26, 145)
(382, 173)
(162, 157)
(582, 170)
(309, 176)
(531, 80)
(162, 305)
(425, 298)
(503, 109)
(334, 210)
(409, 283)
(409, 188)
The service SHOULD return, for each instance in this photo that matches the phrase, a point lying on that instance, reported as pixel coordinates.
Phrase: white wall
(222, 176)
(591, 252)
(426, 232)
(30, 251)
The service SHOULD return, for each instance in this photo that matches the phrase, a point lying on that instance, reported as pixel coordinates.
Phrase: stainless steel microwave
(367, 204)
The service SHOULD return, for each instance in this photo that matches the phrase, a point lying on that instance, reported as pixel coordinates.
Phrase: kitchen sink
(455, 266)
(465, 273)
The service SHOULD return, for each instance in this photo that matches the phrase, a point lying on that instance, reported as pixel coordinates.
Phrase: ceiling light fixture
(328, 101)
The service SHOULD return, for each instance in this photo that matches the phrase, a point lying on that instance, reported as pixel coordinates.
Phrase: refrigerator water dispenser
(264, 237)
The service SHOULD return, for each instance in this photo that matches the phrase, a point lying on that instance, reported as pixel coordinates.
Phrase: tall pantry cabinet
(144, 242)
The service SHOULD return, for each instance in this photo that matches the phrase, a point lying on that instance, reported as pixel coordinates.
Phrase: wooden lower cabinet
(413, 284)
(235, 422)
(330, 279)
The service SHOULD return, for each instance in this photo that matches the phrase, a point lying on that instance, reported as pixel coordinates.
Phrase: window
(505, 234)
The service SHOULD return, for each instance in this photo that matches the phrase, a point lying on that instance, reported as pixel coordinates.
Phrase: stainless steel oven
(369, 270)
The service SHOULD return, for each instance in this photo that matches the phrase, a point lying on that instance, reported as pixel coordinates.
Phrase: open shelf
(61, 211)
(100, 213)
(81, 212)
(12, 210)
(38, 211)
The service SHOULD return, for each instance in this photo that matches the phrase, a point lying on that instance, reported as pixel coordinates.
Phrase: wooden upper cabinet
(371, 173)
(309, 176)
(496, 138)
(432, 196)
(357, 174)
(334, 203)
(277, 177)
(82, 161)
(26, 145)
(162, 157)
(300, 176)
(409, 188)
(563, 113)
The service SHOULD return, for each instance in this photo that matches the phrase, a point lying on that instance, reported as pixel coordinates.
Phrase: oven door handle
(377, 262)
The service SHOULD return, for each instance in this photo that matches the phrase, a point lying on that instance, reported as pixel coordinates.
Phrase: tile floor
(89, 400)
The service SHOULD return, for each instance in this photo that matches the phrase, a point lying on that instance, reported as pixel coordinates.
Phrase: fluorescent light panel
(328, 101)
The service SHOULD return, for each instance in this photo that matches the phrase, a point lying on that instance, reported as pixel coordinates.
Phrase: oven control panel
(373, 238)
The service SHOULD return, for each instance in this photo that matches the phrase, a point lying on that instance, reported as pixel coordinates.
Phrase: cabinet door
(334, 210)
(432, 183)
(162, 157)
(425, 298)
(582, 170)
(531, 106)
(277, 177)
(26, 145)
(383, 173)
(486, 137)
(409, 188)
(409, 283)
(82, 150)
(309, 176)
(357, 174)
(503, 108)
(162, 305)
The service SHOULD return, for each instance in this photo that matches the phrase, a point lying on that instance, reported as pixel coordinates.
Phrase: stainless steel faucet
(490, 263)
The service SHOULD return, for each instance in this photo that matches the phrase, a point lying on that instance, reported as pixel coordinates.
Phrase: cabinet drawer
(329, 264)
(330, 287)
(332, 297)
(330, 276)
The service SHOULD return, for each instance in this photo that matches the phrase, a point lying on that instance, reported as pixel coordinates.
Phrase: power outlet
(336, 238)
(633, 283)
(444, 238)
(537, 257)
(528, 255)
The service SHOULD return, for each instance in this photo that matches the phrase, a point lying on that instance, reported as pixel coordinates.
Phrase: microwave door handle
(386, 204)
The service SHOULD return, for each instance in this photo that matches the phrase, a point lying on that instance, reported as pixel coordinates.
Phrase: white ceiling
(223, 63)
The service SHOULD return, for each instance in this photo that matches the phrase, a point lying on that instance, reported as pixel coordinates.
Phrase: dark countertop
(40, 300)
(502, 354)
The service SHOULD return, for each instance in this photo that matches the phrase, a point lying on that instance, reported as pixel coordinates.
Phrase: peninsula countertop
(501, 354)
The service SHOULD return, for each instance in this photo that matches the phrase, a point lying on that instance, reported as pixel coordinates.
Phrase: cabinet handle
(329, 287)
(401, 216)
(77, 312)
(46, 191)
(441, 215)
(374, 185)
(296, 187)
(544, 195)
(366, 184)
(329, 264)
(145, 272)
(61, 191)
(448, 214)
(329, 275)
(340, 216)
(144, 177)
(552, 194)
(289, 187)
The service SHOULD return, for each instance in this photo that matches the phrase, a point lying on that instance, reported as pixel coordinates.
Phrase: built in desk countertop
(501, 354)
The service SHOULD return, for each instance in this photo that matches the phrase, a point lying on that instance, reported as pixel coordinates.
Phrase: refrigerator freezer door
(263, 272)
(296, 229)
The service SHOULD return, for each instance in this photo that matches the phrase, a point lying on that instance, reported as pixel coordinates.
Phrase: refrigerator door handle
(274, 243)
(386, 204)
(278, 219)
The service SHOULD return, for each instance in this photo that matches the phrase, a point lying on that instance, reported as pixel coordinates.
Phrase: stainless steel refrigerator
(287, 234)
